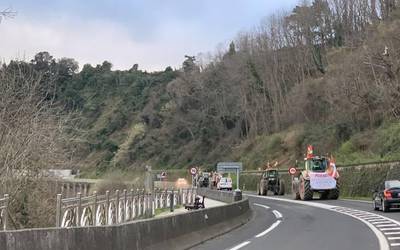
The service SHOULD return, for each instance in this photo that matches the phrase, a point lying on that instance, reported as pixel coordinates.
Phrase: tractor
(271, 181)
(318, 175)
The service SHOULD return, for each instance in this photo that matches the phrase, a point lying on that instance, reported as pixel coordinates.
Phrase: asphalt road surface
(280, 223)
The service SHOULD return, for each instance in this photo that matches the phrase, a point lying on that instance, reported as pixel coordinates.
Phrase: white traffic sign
(292, 170)
(193, 171)
(163, 175)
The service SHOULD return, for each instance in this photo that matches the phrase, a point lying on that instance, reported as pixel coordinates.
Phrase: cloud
(155, 33)
(96, 41)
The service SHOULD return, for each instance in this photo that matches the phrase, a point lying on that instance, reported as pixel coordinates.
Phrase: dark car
(387, 196)
(204, 180)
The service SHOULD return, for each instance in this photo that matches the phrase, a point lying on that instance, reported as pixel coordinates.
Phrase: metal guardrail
(109, 209)
(339, 166)
(4, 212)
(366, 163)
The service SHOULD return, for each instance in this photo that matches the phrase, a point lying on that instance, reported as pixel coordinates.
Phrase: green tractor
(319, 175)
(271, 181)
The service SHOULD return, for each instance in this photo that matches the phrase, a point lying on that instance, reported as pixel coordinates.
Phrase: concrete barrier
(224, 196)
(172, 232)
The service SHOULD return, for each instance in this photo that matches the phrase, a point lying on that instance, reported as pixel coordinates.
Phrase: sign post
(292, 171)
(193, 172)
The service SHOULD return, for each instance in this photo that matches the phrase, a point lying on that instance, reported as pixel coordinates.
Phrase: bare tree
(31, 141)
(7, 13)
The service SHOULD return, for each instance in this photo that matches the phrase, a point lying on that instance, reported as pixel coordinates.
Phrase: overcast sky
(153, 33)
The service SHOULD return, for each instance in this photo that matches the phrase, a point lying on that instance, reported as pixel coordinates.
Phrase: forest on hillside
(326, 73)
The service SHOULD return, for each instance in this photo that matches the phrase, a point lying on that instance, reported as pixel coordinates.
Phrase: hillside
(325, 74)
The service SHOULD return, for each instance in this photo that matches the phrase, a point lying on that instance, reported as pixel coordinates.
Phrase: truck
(318, 174)
(271, 181)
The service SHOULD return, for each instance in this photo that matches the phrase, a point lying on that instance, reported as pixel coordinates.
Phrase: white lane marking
(390, 229)
(360, 214)
(395, 244)
(383, 243)
(383, 219)
(240, 245)
(392, 233)
(369, 217)
(277, 214)
(381, 222)
(387, 225)
(393, 238)
(260, 205)
(272, 227)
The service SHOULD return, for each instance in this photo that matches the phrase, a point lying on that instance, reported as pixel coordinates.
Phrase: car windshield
(272, 173)
(392, 184)
(317, 164)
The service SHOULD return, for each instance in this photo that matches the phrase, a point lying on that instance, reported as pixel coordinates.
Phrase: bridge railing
(119, 207)
(4, 212)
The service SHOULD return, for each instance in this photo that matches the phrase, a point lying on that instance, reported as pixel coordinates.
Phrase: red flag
(310, 152)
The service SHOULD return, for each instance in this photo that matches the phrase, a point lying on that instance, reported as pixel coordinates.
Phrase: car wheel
(385, 207)
(376, 208)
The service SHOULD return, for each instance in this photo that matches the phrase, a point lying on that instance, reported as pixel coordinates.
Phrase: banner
(322, 181)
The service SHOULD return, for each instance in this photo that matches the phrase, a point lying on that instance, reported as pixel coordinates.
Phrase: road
(279, 223)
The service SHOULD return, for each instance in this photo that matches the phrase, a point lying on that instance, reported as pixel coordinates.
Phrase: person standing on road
(213, 180)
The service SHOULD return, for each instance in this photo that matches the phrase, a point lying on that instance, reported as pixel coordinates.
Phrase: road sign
(163, 175)
(193, 171)
(292, 170)
(229, 167)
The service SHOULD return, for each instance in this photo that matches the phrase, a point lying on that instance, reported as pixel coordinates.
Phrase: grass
(360, 198)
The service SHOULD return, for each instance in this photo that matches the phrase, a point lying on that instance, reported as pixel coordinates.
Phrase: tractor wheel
(262, 190)
(295, 192)
(305, 190)
(281, 187)
(334, 193)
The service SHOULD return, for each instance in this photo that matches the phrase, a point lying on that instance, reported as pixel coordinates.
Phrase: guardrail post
(107, 205)
(5, 218)
(125, 205)
(165, 198)
(138, 203)
(78, 210)
(153, 205)
(155, 198)
(95, 208)
(58, 210)
(117, 206)
(171, 201)
(132, 205)
(142, 205)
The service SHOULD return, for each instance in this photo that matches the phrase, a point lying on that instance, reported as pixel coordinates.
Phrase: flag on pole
(310, 152)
